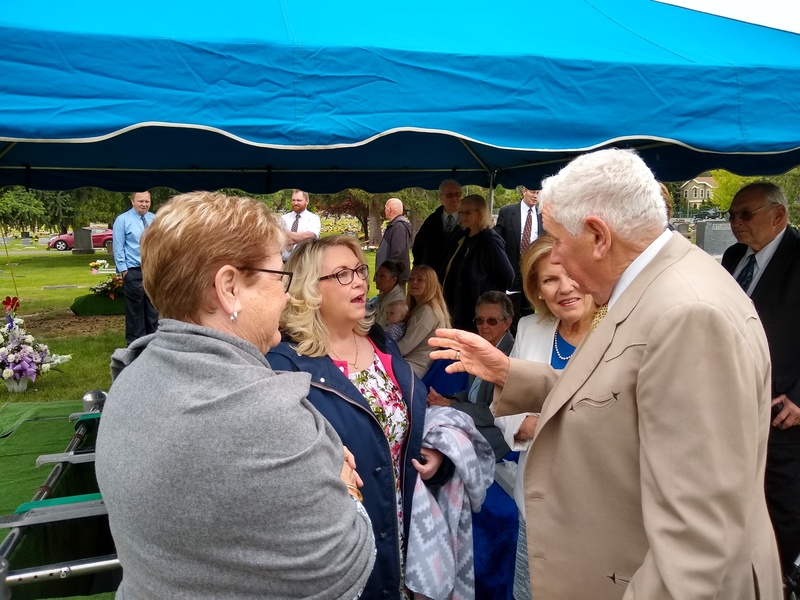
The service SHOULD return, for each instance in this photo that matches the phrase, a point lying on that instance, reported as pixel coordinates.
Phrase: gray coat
(221, 479)
(395, 245)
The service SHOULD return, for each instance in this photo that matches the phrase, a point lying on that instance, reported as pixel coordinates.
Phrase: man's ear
(599, 236)
(226, 287)
(780, 215)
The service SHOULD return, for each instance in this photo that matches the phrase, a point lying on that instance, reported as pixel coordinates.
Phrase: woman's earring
(234, 316)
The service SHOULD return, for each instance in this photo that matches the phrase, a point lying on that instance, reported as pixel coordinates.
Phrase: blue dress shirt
(128, 229)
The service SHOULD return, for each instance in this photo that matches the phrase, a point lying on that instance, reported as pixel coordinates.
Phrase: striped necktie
(745, 277)
(526, 232)
(144, 222)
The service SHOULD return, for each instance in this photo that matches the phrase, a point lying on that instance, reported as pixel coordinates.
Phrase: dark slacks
(782, 487)
(141, 317)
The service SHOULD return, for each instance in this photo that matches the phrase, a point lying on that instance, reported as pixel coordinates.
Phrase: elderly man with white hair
(645, 477)
(396, 239)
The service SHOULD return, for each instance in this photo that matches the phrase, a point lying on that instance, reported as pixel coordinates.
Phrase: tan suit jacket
(646, 475)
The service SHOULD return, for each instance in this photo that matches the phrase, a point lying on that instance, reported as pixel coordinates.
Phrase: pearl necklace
(355, 363)
(555, 345)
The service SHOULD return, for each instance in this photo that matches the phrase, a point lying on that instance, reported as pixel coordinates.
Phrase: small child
(395, 313)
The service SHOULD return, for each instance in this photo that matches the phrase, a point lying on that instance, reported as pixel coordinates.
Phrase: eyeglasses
(451, 195)
(744, 215)
(491, 321)
(346, 276)
(286, 276)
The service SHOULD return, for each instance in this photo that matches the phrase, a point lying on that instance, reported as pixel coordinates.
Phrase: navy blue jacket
(484, 267)
(346, 409)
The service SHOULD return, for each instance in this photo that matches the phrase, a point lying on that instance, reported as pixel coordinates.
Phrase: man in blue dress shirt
(141, 317)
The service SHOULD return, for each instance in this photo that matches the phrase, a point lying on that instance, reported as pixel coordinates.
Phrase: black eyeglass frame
(286, 276)
(745, 215)
(353, 272)
(480, 321)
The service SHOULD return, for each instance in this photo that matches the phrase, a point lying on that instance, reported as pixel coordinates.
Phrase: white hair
(614, 185)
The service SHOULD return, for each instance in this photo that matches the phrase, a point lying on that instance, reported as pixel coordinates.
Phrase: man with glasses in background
(766, 264)
(441, 225)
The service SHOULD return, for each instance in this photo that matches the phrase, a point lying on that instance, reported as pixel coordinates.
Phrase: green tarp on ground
(94, 304)
(28, 430)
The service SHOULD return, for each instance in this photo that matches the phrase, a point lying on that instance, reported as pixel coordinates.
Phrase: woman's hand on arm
(350, 476)
(472, 354)
(433, 460)
(436, 399)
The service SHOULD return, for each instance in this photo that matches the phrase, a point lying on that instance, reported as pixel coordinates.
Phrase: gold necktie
(602, 310)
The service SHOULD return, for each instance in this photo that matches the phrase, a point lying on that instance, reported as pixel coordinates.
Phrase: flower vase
(17, 385)
(94, 271)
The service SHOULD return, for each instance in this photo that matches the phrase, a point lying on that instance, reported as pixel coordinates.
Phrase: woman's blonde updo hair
(301, 318)
(538, 250)
(195, 234)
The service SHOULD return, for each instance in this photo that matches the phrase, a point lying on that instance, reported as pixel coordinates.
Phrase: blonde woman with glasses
(364, 388)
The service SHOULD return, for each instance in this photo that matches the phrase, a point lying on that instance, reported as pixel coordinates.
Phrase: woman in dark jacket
(364, 388)
(476, 263)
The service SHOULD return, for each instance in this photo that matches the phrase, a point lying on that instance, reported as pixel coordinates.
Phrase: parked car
(101, 238)
(704, 215)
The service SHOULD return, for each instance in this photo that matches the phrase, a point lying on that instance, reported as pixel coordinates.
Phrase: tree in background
(60, 209)
(352, 202)
(789, 182)
(727, 185)
(20, 209)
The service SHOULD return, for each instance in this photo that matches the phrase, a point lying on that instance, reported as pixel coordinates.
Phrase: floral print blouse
(386, 401)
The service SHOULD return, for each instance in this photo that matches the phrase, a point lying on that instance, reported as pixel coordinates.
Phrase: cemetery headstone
(714, 236)
(83, 242)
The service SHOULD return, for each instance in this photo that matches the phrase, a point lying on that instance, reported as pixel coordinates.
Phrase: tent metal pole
(7, 149)
(474, 154)
(492, 180)
(64, 570)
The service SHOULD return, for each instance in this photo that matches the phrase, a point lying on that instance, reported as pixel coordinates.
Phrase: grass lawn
(46, 283)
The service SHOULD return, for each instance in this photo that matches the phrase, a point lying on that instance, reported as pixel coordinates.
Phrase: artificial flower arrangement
(20, 356)
(98, 264)
(111, 287)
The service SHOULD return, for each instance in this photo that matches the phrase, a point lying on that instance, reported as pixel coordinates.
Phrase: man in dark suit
(766, 263)
(519, 225)
(439, 228)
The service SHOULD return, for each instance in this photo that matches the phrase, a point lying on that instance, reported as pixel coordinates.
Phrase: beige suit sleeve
(527, 386)
(699, 391)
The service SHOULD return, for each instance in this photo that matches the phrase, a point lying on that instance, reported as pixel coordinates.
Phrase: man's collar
(638, 265)
(764, 255)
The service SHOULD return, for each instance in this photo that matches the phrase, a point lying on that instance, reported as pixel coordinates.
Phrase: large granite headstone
(83, 242)
(714, 236)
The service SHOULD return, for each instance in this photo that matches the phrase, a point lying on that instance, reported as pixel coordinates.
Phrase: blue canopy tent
(275, 94)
